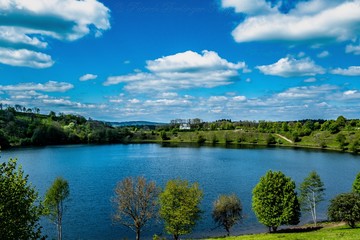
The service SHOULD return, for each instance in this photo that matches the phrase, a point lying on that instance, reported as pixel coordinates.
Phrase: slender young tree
(275, 201)
(55, 198)
(356, 184)
(312, 192)
(136, 203)
(227, 211)
(179, 207)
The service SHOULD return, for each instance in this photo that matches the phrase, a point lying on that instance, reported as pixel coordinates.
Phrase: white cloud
(310, 20)
(239, 98)
(353, 49)
(323, 54)
(50, 86)
(350, 92)
(65, 19)
(134, 101)
(310, 80)
(167, 95)
(22, 28)
(191, 61)
(249, 6)
(307, 92)
(291, 67)
(25, 58)
(350, 71)
(181, 71)
(88, 77)
(217, 99)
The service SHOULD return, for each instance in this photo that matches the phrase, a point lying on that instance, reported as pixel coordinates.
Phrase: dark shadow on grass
(299, 230)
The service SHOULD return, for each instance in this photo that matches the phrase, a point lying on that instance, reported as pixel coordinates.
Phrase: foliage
(311, 194)
(55, 198)
(227, 211)
(345, 207)
(179, 207)
(19, 208)
(21, 126)
(356, 184)
(275, 201)
(136, 203)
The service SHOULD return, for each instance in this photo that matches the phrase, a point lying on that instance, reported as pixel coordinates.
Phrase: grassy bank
(316, 140)
(327, 232)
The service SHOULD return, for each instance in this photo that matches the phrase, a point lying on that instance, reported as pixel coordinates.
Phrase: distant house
(185, 126)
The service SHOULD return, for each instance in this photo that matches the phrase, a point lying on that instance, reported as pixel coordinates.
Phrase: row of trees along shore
(21, 126)
(137, 202)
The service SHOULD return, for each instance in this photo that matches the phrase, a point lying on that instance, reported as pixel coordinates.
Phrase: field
(328, 232)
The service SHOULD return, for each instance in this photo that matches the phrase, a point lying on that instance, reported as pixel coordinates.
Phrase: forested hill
(20, 126)
(28, 127)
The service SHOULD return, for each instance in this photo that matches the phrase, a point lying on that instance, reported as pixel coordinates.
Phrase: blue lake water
(94, 170)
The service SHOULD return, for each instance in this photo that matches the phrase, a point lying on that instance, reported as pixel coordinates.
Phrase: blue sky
(156, 60)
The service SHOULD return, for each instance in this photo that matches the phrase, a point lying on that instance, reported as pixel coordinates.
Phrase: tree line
(21, 126)
(138, 201)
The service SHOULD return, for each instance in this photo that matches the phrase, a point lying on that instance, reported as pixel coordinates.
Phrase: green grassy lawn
(325, 233)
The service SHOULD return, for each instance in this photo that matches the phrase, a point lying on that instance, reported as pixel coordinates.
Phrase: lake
(93, 171)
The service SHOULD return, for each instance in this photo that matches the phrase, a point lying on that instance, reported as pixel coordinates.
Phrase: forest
(21, 126)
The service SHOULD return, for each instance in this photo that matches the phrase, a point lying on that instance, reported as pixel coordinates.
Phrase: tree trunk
(176, 237)
(137, 234)
(227, 231)
(274, 229)
(59, 230)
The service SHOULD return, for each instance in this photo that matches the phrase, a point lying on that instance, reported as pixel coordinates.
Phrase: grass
(328, 232)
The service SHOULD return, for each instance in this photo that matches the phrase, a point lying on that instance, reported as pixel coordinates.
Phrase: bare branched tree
(136, 203)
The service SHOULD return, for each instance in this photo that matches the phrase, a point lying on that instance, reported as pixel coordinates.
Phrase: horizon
(121, 61)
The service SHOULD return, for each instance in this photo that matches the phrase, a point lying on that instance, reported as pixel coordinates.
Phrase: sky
(158, 60)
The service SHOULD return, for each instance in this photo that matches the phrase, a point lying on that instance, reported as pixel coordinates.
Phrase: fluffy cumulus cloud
(88, 77)
(308, 20)
(291, 67)
(25, 58)
(181, 71)
(23, 32)
(350, 71)
(355, 49)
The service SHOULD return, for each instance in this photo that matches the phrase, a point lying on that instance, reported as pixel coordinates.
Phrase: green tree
(55, 198)
(227, 211)
(136, 203)
(179, 207)
(275, 201)
(311, 194)
(345, 207)
(19, 208)
(341, 139)
(356, 184)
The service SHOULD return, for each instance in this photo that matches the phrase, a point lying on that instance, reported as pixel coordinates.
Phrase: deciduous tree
(179, 207)
(311, 194)
(275, 201)
(136, 203)
(19, 208)
(345, 207)
(227, 211)
(55, 198)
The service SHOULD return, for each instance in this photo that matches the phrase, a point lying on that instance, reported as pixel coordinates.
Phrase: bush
(227, 211)
(345, 207)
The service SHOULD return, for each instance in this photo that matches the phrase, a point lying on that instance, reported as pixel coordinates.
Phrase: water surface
(94, 170)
